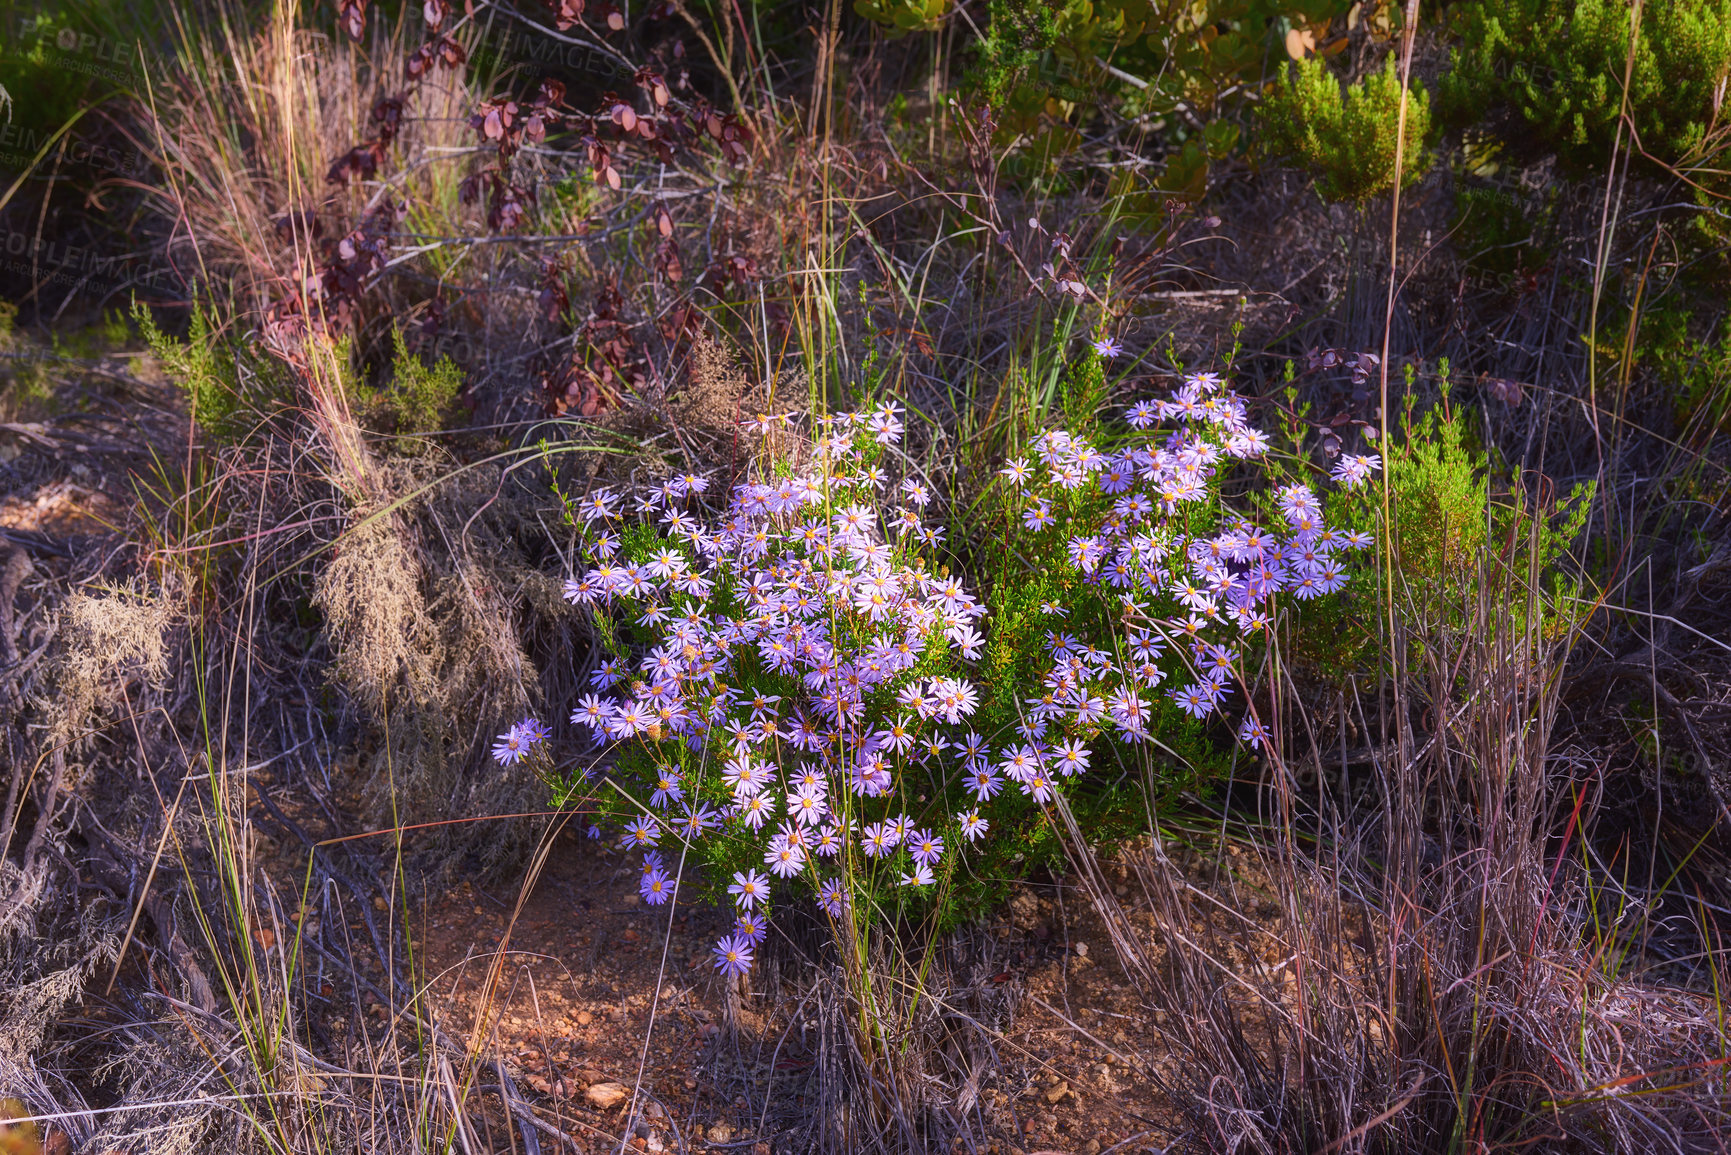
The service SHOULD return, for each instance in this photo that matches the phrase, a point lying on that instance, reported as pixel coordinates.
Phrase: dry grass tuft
(717, 390)
(370, 595)
(248, 125)
(433, 652)
(1440, 974)
(893, 1060)
(110, 638)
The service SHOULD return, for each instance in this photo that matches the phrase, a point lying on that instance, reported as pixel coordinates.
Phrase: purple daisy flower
(733, 955)
(656, 888)
(749, 888)
(752, 927)
(511, 747)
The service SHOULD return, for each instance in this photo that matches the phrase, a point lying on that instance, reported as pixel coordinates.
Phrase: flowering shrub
(800, 698)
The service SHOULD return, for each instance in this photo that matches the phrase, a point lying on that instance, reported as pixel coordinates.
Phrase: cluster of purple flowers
(814, 579)
(514, 745)
(1222, 585)
(827, 590)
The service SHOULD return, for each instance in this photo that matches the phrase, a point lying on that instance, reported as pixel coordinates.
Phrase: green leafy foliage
(418, 399)
(207, 367)
(60, 57)
(1505, 233)
(1048, 50)
(1344, 135)
(24, 382)
(1448, 521)
(1185, 66)
(1698, 368)
(1151, 55)
(904, 16)
(1553, 70)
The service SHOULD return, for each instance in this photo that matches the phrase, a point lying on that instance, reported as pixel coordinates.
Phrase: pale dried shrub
(29, 1009)
(370, 595)
(108, 638)
(421, 613)
(114, 635)
(716, 389)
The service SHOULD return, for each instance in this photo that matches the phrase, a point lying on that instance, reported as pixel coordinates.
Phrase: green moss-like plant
(1344, 135)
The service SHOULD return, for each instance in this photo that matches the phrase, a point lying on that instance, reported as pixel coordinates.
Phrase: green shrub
(1149, 55)
(1695, 371)
(1448, 518)
(1440, 494)
(1344, 136)
(205, 366)
(230, 385)
(1554, 69)
(418, 399)
(1048, 67)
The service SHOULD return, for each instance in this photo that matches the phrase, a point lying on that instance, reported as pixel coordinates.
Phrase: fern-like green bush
(205, 366)
(1439, 491)
(1553, 70)
(419, 398)
(1344, 135)
(1450, 514)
